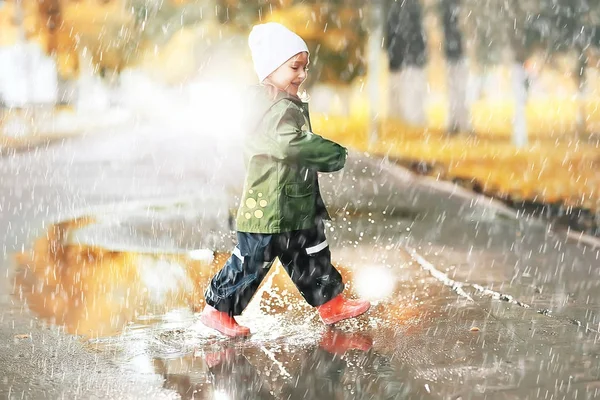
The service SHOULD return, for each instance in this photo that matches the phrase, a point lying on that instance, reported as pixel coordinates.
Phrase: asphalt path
(470, 299)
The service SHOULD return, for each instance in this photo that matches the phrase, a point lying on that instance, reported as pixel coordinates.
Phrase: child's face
(290, 75)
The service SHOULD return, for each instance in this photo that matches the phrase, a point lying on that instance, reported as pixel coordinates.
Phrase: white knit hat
(272, 44)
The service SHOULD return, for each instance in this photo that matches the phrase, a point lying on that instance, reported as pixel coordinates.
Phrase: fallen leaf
(22, 336)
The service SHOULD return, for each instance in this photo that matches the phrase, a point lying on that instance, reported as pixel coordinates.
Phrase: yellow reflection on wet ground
(95, 292)
(128, 304)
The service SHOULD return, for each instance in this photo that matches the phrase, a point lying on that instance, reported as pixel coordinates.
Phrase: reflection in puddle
(140, 308)
(324, 370)
(95, 292)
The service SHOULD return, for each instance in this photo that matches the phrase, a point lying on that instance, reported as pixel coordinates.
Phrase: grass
(551, 169)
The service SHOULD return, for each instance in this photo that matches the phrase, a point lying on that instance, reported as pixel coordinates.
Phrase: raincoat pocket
(298, 190)
(298, 205)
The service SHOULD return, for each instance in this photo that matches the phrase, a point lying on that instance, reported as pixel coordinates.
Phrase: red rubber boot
(339, 308)
(222, 322)
(216, 358)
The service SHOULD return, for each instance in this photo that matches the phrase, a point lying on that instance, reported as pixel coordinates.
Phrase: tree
(516, 13)
(567, 27)
(563, 27)
(457, 72)
(407, 58)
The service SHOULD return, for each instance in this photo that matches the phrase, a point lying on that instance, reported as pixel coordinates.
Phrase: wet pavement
(110, 240)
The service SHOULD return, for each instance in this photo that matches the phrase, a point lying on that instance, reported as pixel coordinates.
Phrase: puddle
(141, 310)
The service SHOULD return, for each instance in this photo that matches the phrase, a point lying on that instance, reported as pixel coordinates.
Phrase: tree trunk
(457, 71)
(373, 52)
(459, 114)
(407, 58)
(408, 92)
(515, 25)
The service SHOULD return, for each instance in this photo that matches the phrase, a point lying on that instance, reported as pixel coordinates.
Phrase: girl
(281, 212)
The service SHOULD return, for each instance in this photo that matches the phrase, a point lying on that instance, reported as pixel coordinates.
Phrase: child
(281, 212)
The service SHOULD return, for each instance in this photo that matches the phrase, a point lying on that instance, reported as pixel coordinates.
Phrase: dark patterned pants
(304, 254)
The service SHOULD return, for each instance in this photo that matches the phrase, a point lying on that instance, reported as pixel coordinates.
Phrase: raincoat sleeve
(298, 145)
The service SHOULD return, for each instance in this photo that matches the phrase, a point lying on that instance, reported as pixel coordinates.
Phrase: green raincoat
(282, 155)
